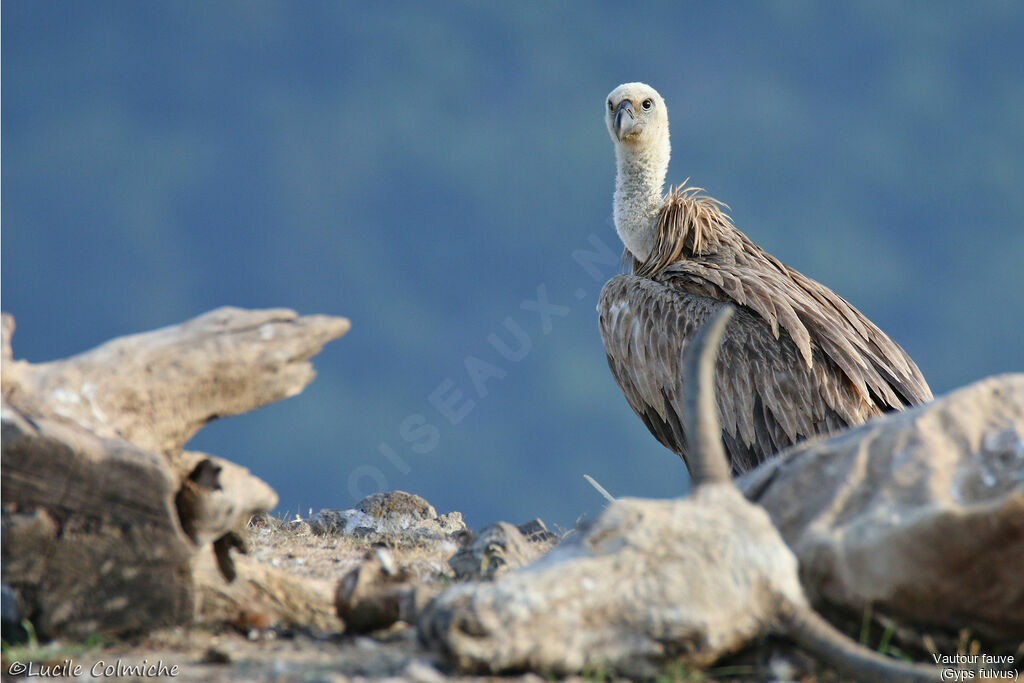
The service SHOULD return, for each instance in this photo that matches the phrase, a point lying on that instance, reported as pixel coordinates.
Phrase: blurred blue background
(424, 168)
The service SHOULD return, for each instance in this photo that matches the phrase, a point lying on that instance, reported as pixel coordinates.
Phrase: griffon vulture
(796, 361)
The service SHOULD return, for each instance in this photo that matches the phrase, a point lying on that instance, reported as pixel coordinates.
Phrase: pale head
(636, 116)
(637, 120)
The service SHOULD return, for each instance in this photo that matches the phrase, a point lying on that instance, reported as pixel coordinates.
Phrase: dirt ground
(245, 652)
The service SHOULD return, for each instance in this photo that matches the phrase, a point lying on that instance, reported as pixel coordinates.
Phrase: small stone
(536, 531)
(215, 655)
(396, 503)
(387, 561)
(297, 527)
(782, 668)
(328, 522)
(394, 513)
(451, 523)
(495, 549)
(263, 520)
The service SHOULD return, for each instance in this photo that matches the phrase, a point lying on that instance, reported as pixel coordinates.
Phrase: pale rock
(919, 514)
(496, 549)
(394, 513)
(648, 582)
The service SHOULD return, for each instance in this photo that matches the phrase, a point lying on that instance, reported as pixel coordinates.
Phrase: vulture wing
(773, 386)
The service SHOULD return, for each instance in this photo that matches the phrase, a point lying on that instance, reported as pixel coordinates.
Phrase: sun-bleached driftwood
(109, 527)
(157, 389)
(91, 539)
(262, 596)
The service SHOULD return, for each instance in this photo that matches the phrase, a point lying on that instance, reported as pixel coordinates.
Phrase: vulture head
(636, 116)
(637, 120)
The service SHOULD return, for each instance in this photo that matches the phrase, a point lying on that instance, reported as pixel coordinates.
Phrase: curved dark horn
(707, 457)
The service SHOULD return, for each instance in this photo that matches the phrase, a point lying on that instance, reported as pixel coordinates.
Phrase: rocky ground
(109, 526)
(404, 533)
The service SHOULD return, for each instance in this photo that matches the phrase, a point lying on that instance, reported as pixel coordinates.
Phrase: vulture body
(796, 361)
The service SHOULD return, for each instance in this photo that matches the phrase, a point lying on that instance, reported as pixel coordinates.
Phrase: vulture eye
(647, 104)
(611, 107)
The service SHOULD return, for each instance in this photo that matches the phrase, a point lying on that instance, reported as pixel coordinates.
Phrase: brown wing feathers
(798, 360)
(695, 237)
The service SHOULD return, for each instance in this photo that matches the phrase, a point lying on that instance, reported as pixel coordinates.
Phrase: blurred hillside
(425, 169)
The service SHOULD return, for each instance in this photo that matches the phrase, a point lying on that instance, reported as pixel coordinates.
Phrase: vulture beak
(624, 119)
